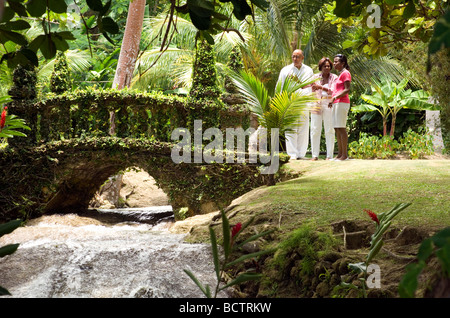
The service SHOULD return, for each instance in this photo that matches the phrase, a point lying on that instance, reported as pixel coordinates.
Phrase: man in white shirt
(297, 142)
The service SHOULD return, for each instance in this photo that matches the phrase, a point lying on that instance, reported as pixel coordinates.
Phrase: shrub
(415, 144)
(371, 147)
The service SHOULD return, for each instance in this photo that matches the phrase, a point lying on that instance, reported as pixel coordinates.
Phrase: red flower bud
(235, 229)
(3, 118)
(372, 215)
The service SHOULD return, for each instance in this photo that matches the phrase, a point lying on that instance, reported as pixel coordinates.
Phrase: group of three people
(332, 107)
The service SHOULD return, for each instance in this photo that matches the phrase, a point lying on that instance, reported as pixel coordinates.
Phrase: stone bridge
(69, 154)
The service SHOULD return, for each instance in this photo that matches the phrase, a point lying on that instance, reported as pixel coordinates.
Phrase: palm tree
(172, 68)
(269, 40)
(389, 98)
(278, 111)
(289, 24)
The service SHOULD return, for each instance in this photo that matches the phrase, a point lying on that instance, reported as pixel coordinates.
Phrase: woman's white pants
(325, 116)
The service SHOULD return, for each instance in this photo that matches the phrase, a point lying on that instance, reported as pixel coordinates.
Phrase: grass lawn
(329, 191)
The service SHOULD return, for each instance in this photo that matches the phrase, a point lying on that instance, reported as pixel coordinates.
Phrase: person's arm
(344, 92)
(326, 89)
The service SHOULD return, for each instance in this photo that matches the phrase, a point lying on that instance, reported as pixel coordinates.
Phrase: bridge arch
(63, 176)
(69, 154)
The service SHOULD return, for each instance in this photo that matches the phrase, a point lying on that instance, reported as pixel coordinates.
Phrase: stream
(79, 256)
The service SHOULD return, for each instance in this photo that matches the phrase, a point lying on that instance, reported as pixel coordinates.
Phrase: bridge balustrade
(136, 115)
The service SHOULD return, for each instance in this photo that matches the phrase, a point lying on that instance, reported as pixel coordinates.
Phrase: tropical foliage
(280, 110)
(9, 124)
(388, 98)
(230, 243)
(383, 222)
(438, 245)
(399, 22)
(415, 145)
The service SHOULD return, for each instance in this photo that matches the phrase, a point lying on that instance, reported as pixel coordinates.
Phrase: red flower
(372, 215)
(235, 229)
(3, 118)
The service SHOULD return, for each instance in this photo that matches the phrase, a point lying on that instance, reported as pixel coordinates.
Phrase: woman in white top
(323, 88)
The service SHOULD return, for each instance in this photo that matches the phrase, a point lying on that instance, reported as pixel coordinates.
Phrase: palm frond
(253, 92)
(324, 40)
(281, 111)
(285, 110)
(174, 67)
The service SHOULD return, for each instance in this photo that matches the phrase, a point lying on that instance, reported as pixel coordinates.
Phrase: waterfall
(71, 255)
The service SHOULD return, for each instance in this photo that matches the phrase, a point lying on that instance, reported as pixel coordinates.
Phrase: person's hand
(330, 105)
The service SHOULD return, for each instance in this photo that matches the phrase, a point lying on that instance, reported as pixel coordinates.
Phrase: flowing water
(77, 256)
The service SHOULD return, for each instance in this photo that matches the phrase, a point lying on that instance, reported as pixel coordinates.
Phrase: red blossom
(235, 229)
(3, 118)
(372, 215)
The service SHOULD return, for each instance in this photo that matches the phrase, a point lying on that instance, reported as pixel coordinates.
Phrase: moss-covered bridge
(70, 152)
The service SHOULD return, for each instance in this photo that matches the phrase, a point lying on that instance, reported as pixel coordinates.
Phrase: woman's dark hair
(343, 59)
(322, 62)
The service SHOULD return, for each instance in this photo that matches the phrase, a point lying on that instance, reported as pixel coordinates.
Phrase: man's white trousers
(297, 142)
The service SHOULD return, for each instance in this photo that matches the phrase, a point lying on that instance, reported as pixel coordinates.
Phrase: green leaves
(106, 25)
(50, 41)
(228, 246)
(439, 244)
(389, 98)
(206, 17)
(385, 220)
(12, 124)
(8, 249)
(280, 111)
(376, 242)
(343, 8)
(9, 227)
(441, 34)
(48, 44)
(241, 9)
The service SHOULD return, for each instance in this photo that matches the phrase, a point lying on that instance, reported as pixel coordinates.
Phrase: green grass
(331, 191)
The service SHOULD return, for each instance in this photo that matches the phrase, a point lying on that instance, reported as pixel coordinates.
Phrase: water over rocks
(77, 256)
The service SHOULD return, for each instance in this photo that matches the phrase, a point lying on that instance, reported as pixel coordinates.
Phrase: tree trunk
(124, 73)
(130, 44)
(129, 50)
(393, 125)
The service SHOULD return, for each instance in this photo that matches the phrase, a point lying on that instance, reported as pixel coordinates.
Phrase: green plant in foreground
(10, 123)
(439, 244)
(8, 249)
(221, 264)
(383, 221)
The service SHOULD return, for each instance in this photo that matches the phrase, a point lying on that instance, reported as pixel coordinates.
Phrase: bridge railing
(136, 115)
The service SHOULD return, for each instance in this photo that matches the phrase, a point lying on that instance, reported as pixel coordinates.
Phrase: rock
(140, 190)
(251, 247)
(322, 289)
(185, 226)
